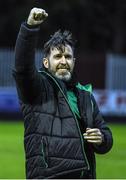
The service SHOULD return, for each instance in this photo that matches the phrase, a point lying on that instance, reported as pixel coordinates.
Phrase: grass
(113, 164)
(11, 151)
(12, 164)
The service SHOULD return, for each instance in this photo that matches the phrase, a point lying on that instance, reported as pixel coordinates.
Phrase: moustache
(61, 66)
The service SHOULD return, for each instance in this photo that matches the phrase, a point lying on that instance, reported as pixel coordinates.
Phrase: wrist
(31, 26)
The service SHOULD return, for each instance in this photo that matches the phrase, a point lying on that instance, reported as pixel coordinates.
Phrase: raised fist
(36, 16)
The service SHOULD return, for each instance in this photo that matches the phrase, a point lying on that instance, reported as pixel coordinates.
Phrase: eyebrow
(68, 54)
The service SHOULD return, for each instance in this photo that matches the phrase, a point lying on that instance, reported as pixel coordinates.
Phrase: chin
(66, 77)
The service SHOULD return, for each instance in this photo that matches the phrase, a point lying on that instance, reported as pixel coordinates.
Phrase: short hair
(59, 40)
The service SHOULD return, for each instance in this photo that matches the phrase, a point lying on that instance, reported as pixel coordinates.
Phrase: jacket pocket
(44, 146)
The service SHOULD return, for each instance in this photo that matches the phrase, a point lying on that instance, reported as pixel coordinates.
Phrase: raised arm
(27, 39)
(25, 73)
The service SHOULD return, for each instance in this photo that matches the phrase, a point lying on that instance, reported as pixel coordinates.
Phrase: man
(63, 125)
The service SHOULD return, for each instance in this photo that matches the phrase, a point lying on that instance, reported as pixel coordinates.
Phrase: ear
(46, 63)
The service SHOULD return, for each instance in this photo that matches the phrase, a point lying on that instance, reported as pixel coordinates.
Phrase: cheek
(71, 65)
(53, 66)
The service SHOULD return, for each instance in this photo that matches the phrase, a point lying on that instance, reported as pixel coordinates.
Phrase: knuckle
(43, 10)
(34, 9)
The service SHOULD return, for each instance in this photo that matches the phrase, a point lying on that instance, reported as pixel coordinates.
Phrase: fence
(116, 72)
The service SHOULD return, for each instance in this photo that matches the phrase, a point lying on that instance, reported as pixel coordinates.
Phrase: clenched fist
(93, 135)
(36, 16)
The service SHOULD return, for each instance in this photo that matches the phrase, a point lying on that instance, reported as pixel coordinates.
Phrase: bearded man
(63, 126)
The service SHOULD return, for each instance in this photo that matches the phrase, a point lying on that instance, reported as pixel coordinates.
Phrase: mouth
(64, 68)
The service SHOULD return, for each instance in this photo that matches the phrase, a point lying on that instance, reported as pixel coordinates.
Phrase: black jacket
(53, 139)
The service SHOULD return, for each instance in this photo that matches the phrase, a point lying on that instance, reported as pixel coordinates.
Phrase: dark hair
(59, 40)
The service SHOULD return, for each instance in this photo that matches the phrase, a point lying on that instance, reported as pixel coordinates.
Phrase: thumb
(87, 128)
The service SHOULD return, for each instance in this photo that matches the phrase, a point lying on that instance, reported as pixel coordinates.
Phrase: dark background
(98, 26)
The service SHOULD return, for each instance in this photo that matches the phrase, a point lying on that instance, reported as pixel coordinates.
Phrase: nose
(63, 60)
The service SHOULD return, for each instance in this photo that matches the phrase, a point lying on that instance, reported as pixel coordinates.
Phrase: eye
(68, 56)
(57, 56)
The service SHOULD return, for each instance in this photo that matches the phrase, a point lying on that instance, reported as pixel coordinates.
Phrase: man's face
(60, 63)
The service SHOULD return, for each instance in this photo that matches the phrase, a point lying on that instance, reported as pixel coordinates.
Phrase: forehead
(66, 50)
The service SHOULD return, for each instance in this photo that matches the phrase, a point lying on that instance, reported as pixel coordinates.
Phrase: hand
(93, 135)
(36, 16)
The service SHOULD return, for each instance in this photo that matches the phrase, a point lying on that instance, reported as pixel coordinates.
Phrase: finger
(38, 16)
(93, 130)
(45, 14)
(39, 13)
(87, 129)
(94, 141)
(93, 137)
(94, 134)
(85, 134)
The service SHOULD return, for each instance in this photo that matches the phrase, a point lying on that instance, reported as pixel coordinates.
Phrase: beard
(64, 76)
(61, 72)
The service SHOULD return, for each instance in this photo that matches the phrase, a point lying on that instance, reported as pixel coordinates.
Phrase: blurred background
(100, 30)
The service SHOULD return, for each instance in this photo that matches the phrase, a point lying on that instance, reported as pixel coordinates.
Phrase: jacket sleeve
(28, 80)
(98, 122)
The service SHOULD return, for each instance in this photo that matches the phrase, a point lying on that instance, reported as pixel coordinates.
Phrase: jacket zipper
(81, 137)
(43, 154)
